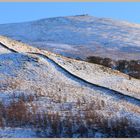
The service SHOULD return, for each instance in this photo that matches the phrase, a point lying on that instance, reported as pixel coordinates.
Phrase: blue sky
(18, 12)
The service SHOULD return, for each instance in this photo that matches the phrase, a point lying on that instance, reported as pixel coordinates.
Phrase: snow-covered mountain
(79, 36)
(43, 94)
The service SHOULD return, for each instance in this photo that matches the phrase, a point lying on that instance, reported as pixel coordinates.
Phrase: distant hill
(79, 36)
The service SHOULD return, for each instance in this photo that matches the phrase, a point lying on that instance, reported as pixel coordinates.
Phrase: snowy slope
(92, 73)
(101, 75)
(79, 36)
(3, 50)
(55, 88)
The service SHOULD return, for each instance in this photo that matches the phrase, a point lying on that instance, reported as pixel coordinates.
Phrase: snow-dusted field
(51, 84)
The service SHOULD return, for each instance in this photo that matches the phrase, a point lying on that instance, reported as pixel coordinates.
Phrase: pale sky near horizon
(28, 11)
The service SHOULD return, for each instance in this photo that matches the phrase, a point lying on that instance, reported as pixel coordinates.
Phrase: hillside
(79, 36)
(42, 93)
